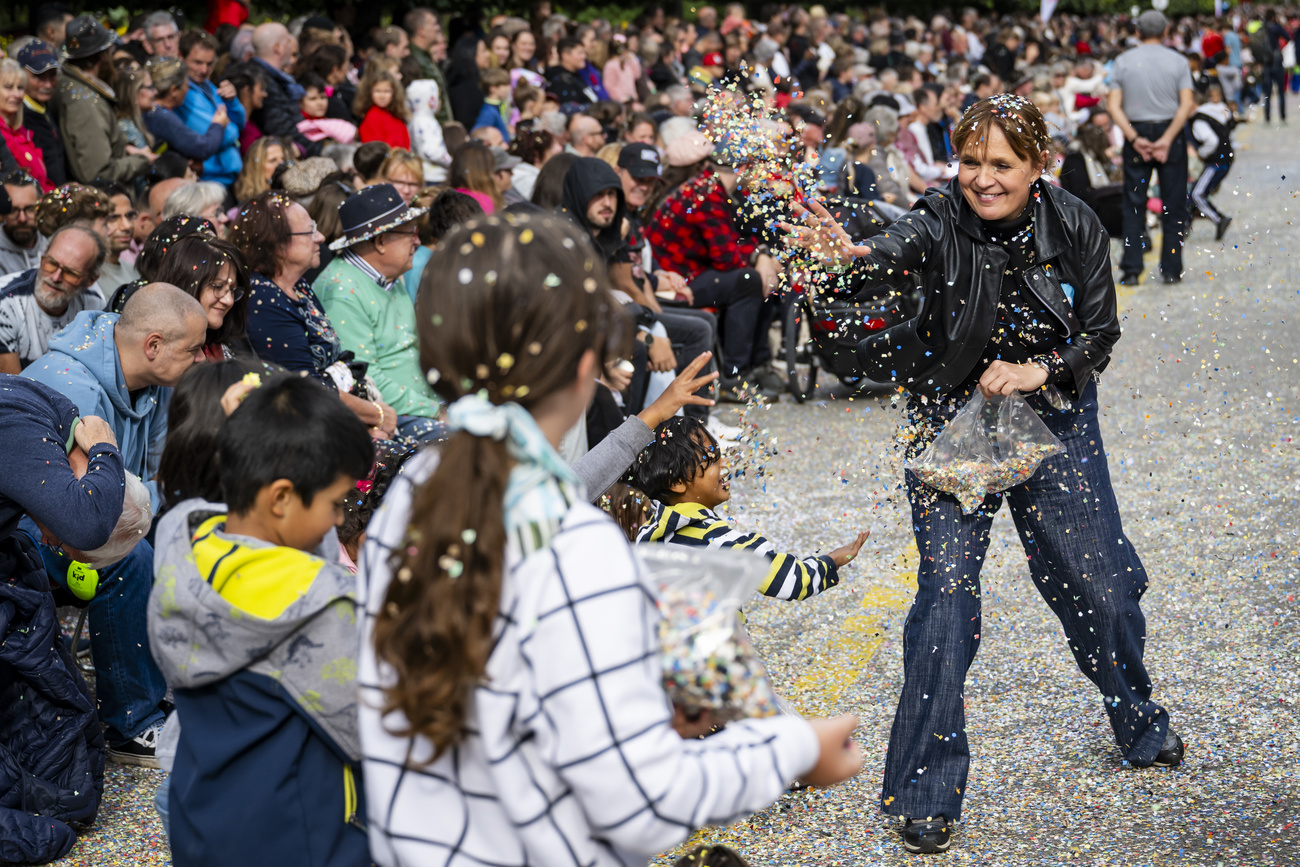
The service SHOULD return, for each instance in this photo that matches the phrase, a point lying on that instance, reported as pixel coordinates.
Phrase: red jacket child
(380, 124)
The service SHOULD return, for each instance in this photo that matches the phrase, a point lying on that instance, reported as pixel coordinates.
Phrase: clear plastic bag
(709, 662)
(990, 445)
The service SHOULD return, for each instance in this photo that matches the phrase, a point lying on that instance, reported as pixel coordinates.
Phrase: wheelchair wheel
(803, 378)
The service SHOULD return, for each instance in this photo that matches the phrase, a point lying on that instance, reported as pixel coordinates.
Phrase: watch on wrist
(648, 339)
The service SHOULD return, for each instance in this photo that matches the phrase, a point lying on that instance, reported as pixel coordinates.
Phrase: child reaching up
(682, 471)
(253, 623)
(512, 707)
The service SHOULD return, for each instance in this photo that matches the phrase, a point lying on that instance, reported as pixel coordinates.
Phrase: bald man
(276, 50)
(121, 368)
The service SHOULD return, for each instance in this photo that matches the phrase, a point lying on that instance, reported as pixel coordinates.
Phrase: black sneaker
(1170, 278)
(1222, 228)
(1130, 278)
(139, 751)
(767, 379)
(928, 836)
(1171, 754)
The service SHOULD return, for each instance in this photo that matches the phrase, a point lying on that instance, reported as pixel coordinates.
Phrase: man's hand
(1160, 151)
(616, 377)
(661, 354)
(675, 283)
(226, 90)
(220, 117)
(142, 152)
(681, 393)
(92, 431)
(1003, 378)
(845, 553)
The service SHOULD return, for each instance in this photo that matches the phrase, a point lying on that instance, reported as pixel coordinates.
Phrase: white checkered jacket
(569, 756)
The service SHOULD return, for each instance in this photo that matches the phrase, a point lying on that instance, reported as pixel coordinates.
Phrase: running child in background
(683, 471)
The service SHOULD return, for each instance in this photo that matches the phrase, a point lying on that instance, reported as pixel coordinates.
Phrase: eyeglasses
(50, 267)
(149, 87)
(29, 211)
(221, 290)
(311, 231)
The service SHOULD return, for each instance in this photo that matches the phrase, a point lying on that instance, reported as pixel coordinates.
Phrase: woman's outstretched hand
(820, 234)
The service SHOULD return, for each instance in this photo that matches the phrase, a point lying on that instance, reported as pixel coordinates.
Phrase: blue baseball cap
(37, 57)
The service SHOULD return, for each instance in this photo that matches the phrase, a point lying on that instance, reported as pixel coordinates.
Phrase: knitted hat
(688, 150)
(305, 177)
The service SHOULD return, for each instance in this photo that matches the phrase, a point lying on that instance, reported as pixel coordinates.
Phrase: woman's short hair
(168, 72)
(69, 204)
(193, 199)
(261, 231)
(401, 158)
(1018, 118)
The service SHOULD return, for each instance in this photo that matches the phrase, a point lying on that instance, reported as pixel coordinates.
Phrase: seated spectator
(381, 105)
(263, 158)
(548, 190)
(932, 161)
(171, 79)
(121, 230)
(427, 140)
(202, 101)
(496, 108)
(84, 104)
(21, 244)
(275, 50)
(586, 135)
(13, 135)
(154, 251)
(374, 321)
(565, 80)
(533, 147)
(73, 204)
(369, 160)
(41, 62)
(135, 99)
(447, 211)
(250, 83)
(1089, 172)
(40, 301)
(212, 272)
(287, 325)
(251, 586)
(205, 200)
(472, 172)
(122, 369)
(65, 471)
(693, 230)
(405, 171)
(315, 123)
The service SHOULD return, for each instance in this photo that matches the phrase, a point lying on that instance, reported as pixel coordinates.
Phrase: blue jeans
(426, 430)
(129, 685)
(1082, 564)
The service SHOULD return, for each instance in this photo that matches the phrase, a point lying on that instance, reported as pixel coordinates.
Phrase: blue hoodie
(196, 111)
(83, 366)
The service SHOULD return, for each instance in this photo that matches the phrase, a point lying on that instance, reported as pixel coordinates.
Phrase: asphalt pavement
(1200, 414)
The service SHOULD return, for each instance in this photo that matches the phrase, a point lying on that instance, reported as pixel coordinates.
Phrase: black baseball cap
(640, 160)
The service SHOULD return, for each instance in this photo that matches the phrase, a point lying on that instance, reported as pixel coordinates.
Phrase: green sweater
(378, 325)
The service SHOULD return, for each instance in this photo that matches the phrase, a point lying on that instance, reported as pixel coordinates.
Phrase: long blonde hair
(127, 87)
(252, 180)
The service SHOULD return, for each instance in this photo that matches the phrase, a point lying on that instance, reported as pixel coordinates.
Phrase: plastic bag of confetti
(990, 445)
(709, 662)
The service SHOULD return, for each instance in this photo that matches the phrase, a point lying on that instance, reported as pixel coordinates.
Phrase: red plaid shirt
(694, 230)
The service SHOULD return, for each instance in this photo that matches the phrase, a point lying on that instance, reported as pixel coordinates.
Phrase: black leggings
(738, 295)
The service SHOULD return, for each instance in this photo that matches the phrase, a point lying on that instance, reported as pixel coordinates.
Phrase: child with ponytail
(512, 710)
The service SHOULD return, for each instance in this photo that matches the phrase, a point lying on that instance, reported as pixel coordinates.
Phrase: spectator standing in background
(204, 100)
(161, 35)
(21, 244)
(1151, 103)
(85, 105)
(425, 31)
(42, 65)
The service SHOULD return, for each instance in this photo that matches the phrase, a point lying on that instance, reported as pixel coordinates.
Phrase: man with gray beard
(38, 302)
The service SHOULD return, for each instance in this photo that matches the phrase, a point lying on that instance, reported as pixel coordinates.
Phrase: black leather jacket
(961, 269)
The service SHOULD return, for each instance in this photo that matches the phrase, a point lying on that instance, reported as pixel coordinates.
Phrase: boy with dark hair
(253, 623)
(368, 159)
(683, 471)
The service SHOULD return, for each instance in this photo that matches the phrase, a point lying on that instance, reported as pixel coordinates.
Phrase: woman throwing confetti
(1018, 295)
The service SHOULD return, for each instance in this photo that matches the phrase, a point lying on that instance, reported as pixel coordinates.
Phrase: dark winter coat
(961, 271)
(51, 744)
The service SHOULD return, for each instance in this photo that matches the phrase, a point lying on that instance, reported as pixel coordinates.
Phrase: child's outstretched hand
(846, 553)
(840, 757)
(691, 726)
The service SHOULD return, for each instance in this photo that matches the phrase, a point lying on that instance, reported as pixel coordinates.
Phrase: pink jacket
(620, 75)
(319, 128)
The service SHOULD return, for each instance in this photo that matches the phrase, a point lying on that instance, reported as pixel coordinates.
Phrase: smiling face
(711, 486)
(41, 87)
(274, 157)
(314, 102)
(199, 62)
(501, 50)
(993, 178)
(525, 46)
(12, 88)
(219, 296)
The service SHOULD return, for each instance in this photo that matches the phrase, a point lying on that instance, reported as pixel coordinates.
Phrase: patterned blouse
(296, 335)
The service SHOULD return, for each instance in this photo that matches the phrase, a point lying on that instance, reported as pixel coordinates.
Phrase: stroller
(837, 322)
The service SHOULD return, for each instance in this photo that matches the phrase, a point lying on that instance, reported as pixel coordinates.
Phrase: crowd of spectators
(271, 194)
